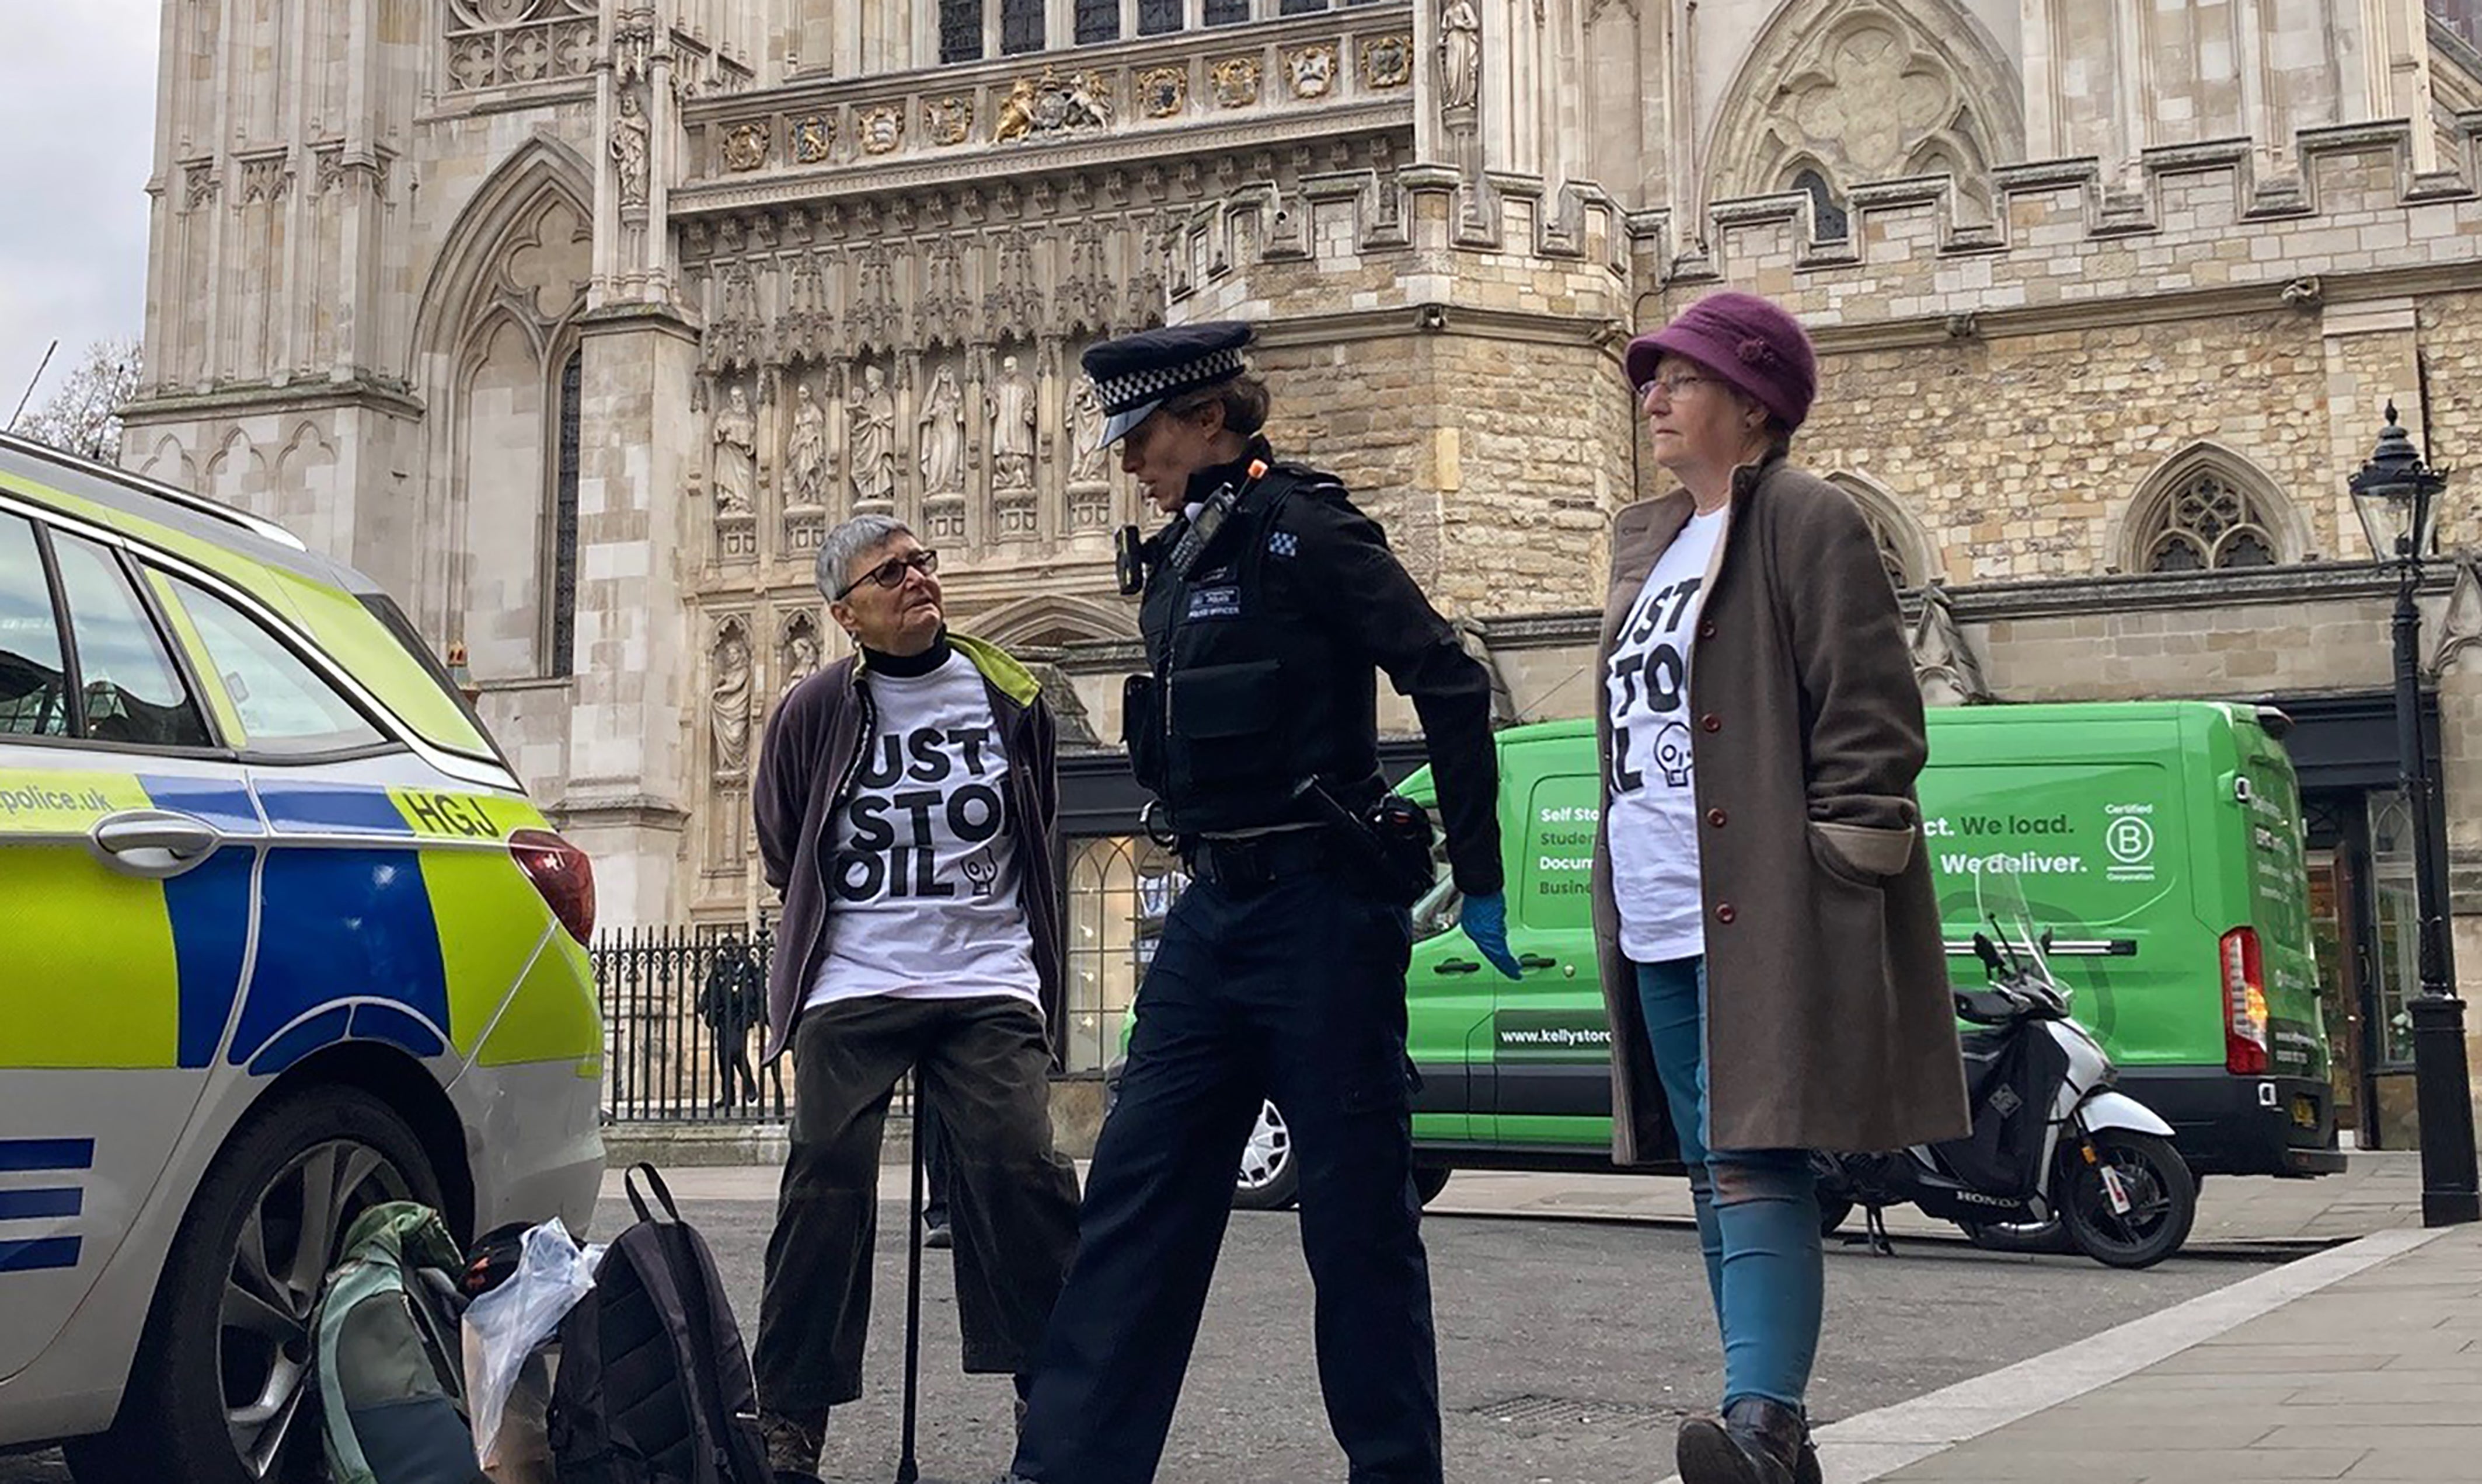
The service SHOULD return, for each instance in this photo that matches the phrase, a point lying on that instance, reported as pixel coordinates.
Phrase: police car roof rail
(140, 484)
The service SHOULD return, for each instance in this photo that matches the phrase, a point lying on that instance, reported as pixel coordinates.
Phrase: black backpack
(653, 1386)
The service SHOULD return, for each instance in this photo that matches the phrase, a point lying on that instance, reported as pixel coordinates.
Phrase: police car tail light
(2245, 1041)
(563, 874)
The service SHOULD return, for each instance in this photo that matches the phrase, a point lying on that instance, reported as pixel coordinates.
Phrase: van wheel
(223, 1379)
(2162, 1199)
(1429, 1180)
(1267, 1180)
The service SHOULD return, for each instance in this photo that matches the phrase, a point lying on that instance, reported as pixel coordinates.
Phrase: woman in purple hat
(1771, 951)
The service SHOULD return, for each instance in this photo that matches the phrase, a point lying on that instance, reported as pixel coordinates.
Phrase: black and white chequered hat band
(1158, 381)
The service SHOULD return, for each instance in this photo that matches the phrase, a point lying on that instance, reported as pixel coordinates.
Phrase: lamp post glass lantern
(2396, 496)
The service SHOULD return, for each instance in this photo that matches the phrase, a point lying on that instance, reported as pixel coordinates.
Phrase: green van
(2161, 843)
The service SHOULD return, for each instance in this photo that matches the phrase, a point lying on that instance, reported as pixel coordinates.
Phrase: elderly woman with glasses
(1771, 951)
(907, 799)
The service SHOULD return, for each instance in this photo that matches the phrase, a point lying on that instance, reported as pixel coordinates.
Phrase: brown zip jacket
(808, 762)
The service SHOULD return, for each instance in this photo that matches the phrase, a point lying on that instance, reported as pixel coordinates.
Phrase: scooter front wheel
(2154, 1186)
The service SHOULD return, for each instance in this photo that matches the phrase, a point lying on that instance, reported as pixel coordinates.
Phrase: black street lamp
(2396, 496)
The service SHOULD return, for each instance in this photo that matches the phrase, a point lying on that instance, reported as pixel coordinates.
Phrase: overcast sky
(77, 129)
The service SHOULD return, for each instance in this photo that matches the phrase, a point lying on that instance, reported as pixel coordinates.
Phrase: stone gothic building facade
(577, 321)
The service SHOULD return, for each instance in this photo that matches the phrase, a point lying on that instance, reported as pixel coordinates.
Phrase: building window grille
(1020, 27)
(1158, 17)
(960, 31)
(563, 535)
(1097, 20)
(2209, 525)
(1227, 12)
(1835, 225)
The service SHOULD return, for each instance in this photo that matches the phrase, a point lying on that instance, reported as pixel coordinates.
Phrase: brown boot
(793, 1441)
(1755, 1442)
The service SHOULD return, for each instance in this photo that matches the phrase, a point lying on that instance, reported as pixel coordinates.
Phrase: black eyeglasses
(891, 573)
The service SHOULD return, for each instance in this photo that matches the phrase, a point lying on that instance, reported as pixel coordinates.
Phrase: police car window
(34, 692)
(285, 708)
(133, 691)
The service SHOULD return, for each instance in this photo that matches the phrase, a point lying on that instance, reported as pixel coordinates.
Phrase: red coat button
(1715, 818)
(1711, 722)
(1706, 628)
(1724, 912)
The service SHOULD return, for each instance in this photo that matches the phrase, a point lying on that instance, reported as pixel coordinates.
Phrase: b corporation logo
(2129, 838)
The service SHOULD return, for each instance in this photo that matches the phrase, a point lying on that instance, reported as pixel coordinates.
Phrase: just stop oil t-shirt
(1653, 819)
(924, 880)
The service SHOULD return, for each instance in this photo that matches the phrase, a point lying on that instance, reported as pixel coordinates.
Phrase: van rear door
(2279, 908)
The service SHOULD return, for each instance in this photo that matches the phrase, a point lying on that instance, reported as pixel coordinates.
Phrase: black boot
(793, 1442)
(1755, 1442)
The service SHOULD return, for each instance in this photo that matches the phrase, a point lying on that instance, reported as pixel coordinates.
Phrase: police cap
(1136, 374)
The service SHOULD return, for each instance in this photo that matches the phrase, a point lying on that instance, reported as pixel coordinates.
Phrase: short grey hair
(860, 534)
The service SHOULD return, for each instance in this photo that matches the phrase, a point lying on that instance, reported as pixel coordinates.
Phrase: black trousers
(986, 1066)
(1295, 992)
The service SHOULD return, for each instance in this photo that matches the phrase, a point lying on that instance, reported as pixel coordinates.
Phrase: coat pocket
(1861, 854)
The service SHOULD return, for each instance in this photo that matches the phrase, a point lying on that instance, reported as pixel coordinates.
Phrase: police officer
(1267, 601)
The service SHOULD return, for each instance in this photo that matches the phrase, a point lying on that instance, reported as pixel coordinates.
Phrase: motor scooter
(2053, 1140)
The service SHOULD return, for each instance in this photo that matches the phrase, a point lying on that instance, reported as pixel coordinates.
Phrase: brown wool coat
(1828, 1022)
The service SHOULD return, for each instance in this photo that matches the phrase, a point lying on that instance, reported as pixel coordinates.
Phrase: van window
(132, 690)
(285, 708)
(1554, 873)
(34, 690)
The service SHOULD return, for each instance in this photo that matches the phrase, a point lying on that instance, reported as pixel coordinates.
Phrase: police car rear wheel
(1267, 1180)
(223, 1378)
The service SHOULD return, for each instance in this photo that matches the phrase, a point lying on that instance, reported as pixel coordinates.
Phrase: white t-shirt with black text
(1653, 821)
(922, 875)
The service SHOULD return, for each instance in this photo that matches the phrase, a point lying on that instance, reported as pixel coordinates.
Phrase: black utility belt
(1252, 862)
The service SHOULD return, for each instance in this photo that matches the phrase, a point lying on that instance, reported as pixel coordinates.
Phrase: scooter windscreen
(1999, 900)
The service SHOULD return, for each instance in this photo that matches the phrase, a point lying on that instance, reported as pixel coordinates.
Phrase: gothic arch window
(2209, 525)
(1866, 91)
(562, 660)
(1833, 222)
(2209, 516)
(1903, 551)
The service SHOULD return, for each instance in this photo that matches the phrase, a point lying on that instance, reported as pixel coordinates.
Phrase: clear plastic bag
(506, 1326)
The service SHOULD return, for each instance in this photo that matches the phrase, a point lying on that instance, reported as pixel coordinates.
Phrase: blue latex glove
(1485, 919)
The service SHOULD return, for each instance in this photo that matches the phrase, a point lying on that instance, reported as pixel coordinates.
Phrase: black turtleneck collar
(907, 666)
(1206, 482)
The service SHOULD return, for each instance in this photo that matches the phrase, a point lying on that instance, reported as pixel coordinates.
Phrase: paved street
(1570, 1346)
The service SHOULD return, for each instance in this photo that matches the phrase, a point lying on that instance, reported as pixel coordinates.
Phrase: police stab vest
(1249, 693)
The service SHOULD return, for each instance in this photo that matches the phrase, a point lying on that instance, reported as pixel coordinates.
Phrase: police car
(280, 937)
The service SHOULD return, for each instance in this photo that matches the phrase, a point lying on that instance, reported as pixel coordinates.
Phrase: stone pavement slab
(2363, 1362)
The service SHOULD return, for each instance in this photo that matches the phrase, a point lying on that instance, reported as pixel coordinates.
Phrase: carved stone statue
(728, 703)
(871, 414)
(805, 452)
(1085, 428)
(939, 436)
(736, 456)
(629, 149)
(800, 656)
(1011, 416)
(1460, 54)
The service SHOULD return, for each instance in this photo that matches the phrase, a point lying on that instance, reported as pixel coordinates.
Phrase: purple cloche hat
(1746, 340)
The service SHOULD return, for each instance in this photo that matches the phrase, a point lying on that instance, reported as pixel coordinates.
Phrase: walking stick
(906, 1470)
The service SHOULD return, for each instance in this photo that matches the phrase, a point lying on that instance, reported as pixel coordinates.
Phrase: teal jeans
(1757, 1209)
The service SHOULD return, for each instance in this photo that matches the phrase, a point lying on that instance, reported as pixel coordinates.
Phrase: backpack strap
(676, 1242)
(663, 1195)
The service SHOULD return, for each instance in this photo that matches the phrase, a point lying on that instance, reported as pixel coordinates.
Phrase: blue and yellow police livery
(280, 937)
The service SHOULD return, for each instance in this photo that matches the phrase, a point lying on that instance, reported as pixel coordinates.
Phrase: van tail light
(2245, 1041)
(563, 874)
